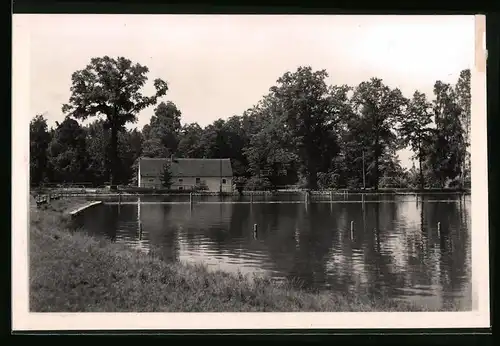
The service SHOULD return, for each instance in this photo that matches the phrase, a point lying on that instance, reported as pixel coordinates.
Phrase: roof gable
(187, 167)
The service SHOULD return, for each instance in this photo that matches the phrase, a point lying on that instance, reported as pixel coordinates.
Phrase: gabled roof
(153, 167)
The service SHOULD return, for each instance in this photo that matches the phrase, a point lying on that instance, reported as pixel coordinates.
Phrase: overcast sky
(219, 66)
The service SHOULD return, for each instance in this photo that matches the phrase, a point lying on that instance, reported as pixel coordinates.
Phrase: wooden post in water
(255, 231)
(139, 217)
(331, 196)
(439, 228)
(352, 228)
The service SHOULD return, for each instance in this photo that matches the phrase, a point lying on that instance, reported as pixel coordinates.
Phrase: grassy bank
(72, 272)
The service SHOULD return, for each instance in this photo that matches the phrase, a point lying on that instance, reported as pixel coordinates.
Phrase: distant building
(187, 174)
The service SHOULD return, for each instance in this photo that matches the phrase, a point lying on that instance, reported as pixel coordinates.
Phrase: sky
(218, 66)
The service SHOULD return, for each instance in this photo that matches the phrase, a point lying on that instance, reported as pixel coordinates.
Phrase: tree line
(303, 132)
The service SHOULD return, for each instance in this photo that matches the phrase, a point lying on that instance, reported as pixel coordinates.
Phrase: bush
(239, 183)
(258, 184)
(327, 180)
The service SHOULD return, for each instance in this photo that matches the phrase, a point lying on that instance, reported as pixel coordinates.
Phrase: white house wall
(213, 183)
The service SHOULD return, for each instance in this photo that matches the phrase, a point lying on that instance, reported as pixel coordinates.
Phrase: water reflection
(394, 247)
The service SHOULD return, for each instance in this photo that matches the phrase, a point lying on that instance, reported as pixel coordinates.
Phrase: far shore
(88, 191)
(73, 272)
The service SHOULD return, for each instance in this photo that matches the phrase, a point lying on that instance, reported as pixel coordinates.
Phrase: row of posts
(307, 200)
(307, 197)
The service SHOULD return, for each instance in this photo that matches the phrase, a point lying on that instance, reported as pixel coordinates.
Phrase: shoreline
(73, 272)
(90, 193)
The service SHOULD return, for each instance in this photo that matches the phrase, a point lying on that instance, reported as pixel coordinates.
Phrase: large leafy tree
(448, 146)
(67, 152)
(165, 126)
(213, 140)
(354, 154)
(129, 148)
(189, 142)
(97, 143)
(39, 143)
(268, 154)
(463, 94)
(111, 88)
(379, 108)
(415, 129)
(237, 140)
(304, 99)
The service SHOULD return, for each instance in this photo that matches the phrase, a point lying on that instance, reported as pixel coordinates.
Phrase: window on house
(223, 181)
(151, 180)
(181, 188)
(180, 180)
(197, 180)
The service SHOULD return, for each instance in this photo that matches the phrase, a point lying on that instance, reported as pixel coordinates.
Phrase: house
(187, 174)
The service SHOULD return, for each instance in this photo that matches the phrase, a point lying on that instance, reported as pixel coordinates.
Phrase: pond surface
(395, 247)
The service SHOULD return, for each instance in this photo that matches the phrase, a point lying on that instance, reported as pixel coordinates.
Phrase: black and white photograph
(192, 168)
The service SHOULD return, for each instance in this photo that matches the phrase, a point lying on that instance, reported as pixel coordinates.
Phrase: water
(395, 248)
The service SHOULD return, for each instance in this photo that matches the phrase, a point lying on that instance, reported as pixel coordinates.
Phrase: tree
(447, 150)
(258, 184)
(111, 87)
(97, 147)
(154, 148)
(129, 149)
(189, 142)
(39, 143)
(236, 140)
(136, 140)
(304, 100)
(267, 153)
(415, 131)
(213, 140)
(354, 153)
(379, 108)
(239, 183)
(166, 177)
(67, 152)
(463, 93)
(165, 126)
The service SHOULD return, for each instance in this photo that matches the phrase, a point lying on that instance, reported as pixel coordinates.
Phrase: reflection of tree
(447, 250)
(240, 224)
(281, 243)
(212, 223)
(101, 220)
(417, 268)
(111, 221)
(384, 278)
(162, 233)
(454, 250)
(315, 241)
